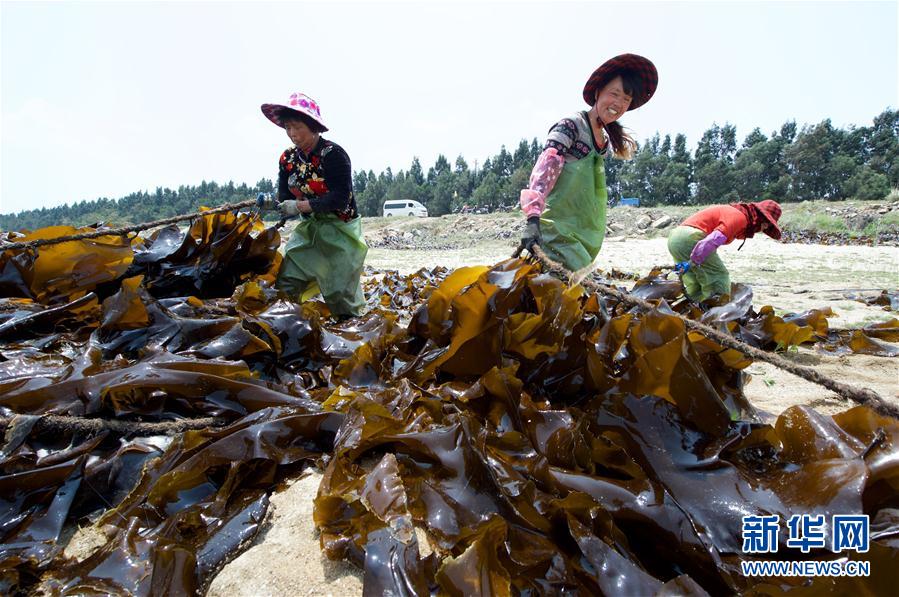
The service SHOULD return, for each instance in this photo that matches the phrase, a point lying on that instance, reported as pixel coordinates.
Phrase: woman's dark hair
(288, 115)
(623, 145)
(633, 85)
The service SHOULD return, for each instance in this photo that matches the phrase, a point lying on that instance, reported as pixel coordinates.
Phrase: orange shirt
(729, 220)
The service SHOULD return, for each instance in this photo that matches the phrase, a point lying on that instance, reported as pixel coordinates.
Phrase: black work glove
(531, 235)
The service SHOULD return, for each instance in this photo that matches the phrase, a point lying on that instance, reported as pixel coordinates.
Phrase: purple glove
(707, 246)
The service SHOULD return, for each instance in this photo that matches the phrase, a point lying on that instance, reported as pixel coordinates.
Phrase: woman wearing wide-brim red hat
(565, 202)
(694, 244)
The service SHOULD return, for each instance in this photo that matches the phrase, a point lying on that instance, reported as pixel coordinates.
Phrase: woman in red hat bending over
(694, 243)
(565, 202)
(315, 179)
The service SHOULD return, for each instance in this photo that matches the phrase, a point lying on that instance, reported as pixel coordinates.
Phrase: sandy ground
(285, 558)
(790, 277)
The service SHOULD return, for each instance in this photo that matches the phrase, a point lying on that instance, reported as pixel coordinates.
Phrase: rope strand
(92, 425)
(4, 246)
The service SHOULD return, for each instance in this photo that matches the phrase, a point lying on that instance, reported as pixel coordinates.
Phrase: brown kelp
(540, 439)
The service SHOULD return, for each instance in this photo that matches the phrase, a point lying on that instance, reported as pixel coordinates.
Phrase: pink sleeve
(543, 178)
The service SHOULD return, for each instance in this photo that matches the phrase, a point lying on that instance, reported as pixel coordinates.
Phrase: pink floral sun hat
(297, 102)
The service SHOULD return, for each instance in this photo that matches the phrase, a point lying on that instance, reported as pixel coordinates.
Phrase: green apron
(324, 249)
(573, 225)
(700, 281)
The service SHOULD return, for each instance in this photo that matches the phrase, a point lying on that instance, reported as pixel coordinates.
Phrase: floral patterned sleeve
(283, 193)
(548, 167)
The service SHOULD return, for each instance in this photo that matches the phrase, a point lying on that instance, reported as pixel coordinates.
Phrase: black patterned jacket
(324, 178)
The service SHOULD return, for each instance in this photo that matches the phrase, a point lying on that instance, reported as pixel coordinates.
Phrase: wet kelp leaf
(37, 492)
(665, 365)
(875, 339)
(769, 331)
(61, 273)
(392, 565)
(198, 503)
(888, 299)
(280, 335)
(399, 294)
(656, 286)
(213, 256)
(478, 571)
(161, 385)
(217, 253)
(22, 318)
(887, 330)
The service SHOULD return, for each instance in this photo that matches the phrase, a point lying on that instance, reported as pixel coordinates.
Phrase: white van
(405, 208)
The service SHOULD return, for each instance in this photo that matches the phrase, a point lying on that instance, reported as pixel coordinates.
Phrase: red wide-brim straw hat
(771, 210)
(640, 66)
(297, 102)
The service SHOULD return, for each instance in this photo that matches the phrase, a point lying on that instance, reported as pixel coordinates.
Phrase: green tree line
(790, 164)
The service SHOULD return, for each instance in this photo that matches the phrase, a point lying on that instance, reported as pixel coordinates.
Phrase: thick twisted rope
(4, 246)
(858, 395)
(93, 426)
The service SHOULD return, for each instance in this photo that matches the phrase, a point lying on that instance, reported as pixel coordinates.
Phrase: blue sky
(103, 99)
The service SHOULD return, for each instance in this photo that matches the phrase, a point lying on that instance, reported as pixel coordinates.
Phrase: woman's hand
(532, 234)
(291, 208)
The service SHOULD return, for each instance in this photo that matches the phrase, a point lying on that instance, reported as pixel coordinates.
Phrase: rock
(616, 227)
(860, 220)
(643, 222)
(407, 236)
(883, 210)
(662, 222)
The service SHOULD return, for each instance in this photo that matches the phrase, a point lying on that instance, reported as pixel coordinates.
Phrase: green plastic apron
(700, 281)
(324, 249)
(573, 225)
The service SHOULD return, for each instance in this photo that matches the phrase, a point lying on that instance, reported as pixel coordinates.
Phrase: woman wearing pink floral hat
(315, 180)
(565, 202)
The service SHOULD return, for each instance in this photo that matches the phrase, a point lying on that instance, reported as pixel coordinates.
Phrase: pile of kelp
(541, 440)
